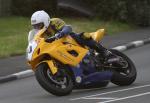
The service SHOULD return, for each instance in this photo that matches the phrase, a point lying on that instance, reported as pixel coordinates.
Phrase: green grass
(14, 31)
(13, 35)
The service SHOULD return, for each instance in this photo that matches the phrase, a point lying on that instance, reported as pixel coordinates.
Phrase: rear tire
(127, 78)
(45, 79)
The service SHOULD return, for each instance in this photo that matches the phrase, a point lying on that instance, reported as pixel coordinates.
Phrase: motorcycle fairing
(59, 49)
(97, 77)
(91, 77)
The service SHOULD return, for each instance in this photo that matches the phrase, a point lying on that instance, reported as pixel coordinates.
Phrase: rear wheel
(124, 75)
(59, 84)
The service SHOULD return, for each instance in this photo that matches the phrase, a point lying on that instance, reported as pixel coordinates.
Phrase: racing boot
(108, 56)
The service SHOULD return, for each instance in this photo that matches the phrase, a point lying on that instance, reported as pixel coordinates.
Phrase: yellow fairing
(65, 50)
(60, 50)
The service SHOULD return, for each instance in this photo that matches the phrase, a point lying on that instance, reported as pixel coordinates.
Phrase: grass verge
(14, 31)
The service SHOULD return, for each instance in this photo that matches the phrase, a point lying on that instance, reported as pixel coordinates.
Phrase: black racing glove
(59, 35)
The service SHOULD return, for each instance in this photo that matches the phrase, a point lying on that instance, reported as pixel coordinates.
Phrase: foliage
(27, 7)
(134, 11)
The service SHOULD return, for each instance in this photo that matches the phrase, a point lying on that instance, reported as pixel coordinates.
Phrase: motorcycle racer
(56, 26)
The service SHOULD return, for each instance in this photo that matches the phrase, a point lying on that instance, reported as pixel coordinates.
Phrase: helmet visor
(38, 26)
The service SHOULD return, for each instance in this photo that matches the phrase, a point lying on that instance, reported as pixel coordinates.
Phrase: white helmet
(40, 17)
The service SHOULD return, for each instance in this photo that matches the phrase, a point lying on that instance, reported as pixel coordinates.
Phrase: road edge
(28, 73)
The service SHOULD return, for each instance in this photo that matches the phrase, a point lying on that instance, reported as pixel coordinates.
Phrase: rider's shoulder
(56, 20)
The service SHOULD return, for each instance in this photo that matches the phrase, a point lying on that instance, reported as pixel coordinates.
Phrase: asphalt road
(28, 90)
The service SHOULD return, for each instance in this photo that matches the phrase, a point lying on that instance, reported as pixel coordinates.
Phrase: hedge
(134, 11)
(27, 7)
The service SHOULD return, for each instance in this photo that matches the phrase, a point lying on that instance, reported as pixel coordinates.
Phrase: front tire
(57, 85)
(125, 76)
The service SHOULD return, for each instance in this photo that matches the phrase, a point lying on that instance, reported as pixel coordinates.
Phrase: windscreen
(31, 34)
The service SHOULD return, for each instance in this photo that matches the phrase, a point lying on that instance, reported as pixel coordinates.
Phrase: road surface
(28, 90)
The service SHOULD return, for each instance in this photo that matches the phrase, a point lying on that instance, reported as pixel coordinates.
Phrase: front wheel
(126, 75)
(59, 85)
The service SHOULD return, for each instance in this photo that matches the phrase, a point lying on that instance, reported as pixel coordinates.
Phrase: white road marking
(138, 43)
(133, 96)
(137, 87)
(100, 98)
(23, 74)
(120, 48)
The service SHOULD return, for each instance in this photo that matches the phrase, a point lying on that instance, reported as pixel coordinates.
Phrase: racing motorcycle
(63, 64)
